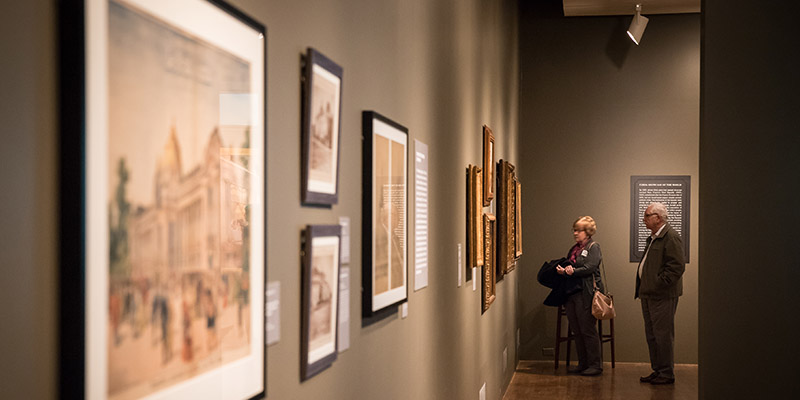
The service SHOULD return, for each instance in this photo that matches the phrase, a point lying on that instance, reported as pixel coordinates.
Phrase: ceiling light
(638, 24)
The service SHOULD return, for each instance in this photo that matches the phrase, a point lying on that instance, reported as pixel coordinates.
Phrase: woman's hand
(569, 270)
(560, 269)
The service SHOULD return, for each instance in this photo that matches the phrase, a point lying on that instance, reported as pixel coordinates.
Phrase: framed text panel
(385, 211)
(671, 190)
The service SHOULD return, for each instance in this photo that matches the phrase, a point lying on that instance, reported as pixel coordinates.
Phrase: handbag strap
(603, 269)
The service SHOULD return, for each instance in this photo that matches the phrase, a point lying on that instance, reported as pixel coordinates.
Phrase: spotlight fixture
(638, 24)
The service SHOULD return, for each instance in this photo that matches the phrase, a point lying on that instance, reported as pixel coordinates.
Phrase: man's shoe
(576, 369)
(662, 381)
(592, 371)
(648, 378)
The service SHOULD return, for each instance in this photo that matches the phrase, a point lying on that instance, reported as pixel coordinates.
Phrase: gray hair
(661, 210)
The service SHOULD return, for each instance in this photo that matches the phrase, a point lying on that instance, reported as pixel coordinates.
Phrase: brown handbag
(602, 304)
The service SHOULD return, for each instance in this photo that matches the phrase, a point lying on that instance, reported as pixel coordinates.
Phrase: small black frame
(317, 301)
(321, 129)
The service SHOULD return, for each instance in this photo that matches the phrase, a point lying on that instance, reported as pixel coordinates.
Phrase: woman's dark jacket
(587, 267)
(563, 286)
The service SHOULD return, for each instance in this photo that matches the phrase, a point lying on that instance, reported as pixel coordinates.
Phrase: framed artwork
(385, 210)
(470, 216)
(320, 305)
(322, 105)
(488, 286)
(518, 219)
(512, 223)
(474, 220)
(476, 229)
(488, 166)
(674, 191)
(506, 249)
(163, 200)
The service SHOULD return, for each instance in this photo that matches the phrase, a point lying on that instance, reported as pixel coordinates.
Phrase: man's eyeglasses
(649, 215)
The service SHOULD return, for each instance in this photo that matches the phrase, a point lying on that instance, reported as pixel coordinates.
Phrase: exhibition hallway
(538, 380)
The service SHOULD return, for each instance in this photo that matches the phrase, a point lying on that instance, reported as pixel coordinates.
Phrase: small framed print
(385, 209)
(488, 166)
(320, 307)
(488, 284)
(322, 104)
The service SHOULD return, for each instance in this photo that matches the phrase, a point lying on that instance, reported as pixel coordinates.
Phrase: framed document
(163, 200)
(321, 248)
(322, 105)
(674, 191)
(385, 207)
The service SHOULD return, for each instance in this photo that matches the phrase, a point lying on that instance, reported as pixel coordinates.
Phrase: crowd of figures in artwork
(179, 271)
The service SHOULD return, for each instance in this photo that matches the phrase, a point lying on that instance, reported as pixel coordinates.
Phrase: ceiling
(574, 8)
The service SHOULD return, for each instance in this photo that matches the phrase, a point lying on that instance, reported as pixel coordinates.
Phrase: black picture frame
(84, 209)
(320, 303)
(389, 195)
(321, 126)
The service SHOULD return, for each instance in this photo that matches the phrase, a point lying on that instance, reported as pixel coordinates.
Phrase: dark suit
(659, 283)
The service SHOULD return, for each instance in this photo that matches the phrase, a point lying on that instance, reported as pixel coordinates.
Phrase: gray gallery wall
(596, 109)
(747, 210)
(28, 201)
(441, 68)
(749, 168)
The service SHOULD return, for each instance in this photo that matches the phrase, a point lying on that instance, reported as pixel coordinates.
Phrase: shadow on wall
(535, 336)
(619, 45)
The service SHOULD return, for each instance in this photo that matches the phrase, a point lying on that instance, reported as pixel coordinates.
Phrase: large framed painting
(322, 105)
(488, 284)
(506, 225)
(488, 166)
(163, 200)
(518, 219)
(320, 308)
(385, 210)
